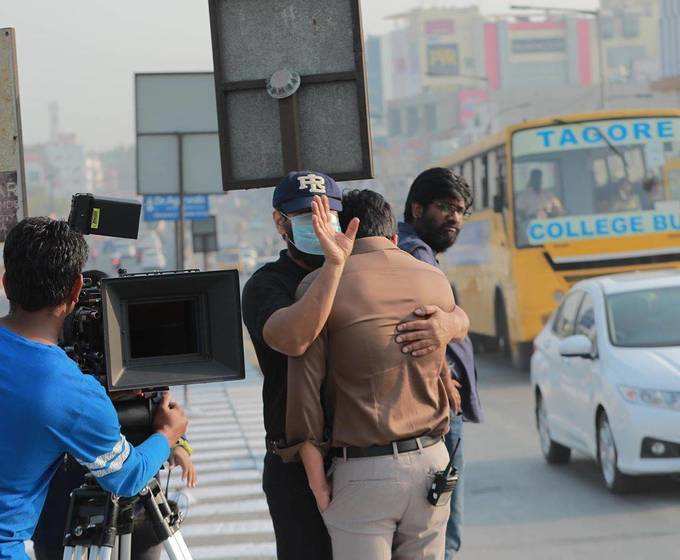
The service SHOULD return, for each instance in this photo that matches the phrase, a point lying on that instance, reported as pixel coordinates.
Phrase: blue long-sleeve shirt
(460, 355)
(48, 408)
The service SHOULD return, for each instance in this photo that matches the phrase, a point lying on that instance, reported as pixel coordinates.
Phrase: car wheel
(554, 453)
(608, 458)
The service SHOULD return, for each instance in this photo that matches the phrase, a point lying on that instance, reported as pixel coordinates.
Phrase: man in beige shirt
(389, 410)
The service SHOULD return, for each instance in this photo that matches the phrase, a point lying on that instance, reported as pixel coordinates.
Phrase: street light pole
(598, 23)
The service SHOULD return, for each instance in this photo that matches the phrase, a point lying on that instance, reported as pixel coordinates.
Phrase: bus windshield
(596, 179)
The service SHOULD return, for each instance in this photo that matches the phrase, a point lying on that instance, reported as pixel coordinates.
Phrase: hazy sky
(83, 53)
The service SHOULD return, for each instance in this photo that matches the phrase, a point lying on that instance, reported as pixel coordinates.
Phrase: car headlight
(651, 397)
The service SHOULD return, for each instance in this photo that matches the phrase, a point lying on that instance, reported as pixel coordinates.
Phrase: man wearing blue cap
(306, 206)
(305, 214)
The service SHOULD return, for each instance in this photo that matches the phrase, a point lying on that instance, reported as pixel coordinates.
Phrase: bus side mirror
(498, 203)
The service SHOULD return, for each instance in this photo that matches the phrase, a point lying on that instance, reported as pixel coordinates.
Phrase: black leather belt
(273, 446)
(403, 446)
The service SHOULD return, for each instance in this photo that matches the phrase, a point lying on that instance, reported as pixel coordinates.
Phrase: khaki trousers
(379, 508)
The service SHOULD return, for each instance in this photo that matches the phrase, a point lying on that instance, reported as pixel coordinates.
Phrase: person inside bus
(536, 203)
(625, 198)
(651, 192)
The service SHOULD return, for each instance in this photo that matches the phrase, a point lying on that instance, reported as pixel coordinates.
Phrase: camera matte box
(324, 126)
(141, 328)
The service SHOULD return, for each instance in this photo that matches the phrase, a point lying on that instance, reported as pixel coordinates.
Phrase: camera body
(139, 334)
(84, 342)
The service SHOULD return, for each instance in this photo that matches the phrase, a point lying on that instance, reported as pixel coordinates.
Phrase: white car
(606, 376)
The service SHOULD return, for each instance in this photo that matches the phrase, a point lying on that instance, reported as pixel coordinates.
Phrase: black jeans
(299, 528)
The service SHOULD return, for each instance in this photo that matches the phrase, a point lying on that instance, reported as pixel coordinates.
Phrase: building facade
(630, 37)
(525, 52)
(670, 38)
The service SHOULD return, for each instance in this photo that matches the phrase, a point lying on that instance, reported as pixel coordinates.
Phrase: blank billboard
(177, 138)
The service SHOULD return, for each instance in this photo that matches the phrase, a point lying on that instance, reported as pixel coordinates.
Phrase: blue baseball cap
(297, 190)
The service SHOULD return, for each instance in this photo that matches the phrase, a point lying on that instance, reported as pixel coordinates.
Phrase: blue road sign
(166, 207)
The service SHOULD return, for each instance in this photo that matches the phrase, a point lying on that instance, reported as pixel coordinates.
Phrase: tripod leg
(105, 553)
(125, 544)
(174, 549)
(80, 553)
(183, 545)
(94, 552)
(68, 553)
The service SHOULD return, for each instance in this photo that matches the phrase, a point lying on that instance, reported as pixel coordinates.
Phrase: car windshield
(645, 318)
(596, 179)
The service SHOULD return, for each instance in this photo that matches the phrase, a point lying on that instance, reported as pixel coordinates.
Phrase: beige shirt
(375, 394)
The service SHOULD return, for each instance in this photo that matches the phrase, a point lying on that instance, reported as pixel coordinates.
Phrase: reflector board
(324, 124)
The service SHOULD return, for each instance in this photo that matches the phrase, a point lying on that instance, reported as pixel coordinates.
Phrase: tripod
(99, 524)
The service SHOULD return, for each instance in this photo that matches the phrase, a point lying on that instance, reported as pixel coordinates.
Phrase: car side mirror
(577, 346)
(498, 203)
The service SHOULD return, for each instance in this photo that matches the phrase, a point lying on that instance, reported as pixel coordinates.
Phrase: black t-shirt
(271, 288)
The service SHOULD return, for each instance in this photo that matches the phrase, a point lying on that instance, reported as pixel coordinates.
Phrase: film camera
(141, 333)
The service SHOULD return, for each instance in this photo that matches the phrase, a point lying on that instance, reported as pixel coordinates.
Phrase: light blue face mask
(304, 238)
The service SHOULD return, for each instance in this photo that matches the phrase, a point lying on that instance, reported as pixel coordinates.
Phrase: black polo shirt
(271, 288)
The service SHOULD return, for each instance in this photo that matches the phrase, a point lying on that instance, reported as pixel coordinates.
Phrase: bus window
(502, 175)
(481, 190)
(635, 164)
(537, 192)
(672, 180)
(492, 174)
(597, 169)
(601, 177)
(600, 172)
(468, 174)
(616, 167)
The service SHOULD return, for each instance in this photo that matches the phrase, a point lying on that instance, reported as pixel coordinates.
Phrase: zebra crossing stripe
(245, 550)
(207, 478)
(246, 507)
(228, 507)
(252, 527)
(229, 491)
(237, 453)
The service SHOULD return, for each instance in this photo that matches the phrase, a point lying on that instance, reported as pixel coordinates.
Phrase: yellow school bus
(558, 200)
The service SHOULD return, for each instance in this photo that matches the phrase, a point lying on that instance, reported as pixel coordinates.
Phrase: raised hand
(337, 246)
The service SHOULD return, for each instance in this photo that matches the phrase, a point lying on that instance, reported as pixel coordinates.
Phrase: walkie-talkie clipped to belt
(444, 483)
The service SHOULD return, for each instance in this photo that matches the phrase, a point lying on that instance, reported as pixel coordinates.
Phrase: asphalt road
(519, 507)
(516, 505)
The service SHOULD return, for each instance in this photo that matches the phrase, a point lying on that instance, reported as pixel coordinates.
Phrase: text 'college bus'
(558, 200)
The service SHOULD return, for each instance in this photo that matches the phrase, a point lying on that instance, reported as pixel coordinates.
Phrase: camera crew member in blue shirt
(49, 407)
